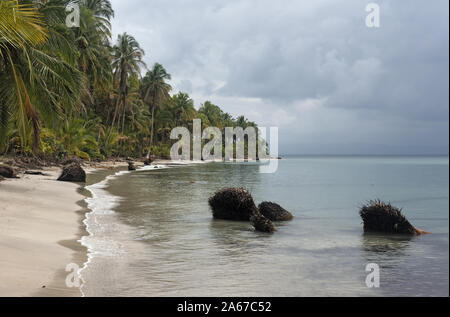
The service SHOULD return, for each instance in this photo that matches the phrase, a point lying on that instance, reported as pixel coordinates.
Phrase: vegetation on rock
(382, 217)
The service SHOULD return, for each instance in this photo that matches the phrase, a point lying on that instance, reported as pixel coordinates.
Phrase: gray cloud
(287, 63)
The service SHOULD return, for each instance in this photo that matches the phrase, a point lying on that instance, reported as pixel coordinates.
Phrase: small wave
(151, 168)
(100, 224)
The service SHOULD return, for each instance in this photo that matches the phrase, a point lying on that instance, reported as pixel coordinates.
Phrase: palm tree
(66, 91)
(92, 43)
(103, 13)
(214, 114)
(20, 26)
(242, 122)
(164, 123)
(184, 108)
(127, 62)
(132, 104)
(36, 78)
(155, 92)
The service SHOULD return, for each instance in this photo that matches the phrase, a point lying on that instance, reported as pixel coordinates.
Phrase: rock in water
(274, 212)
(73, 173)
(7, 172)
(131, 166)
(379, 216)
(261, 223)
(148, 162)
(232, 204)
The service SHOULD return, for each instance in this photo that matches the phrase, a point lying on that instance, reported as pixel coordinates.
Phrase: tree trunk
(113, 120)
(153, 124)
(124, 113)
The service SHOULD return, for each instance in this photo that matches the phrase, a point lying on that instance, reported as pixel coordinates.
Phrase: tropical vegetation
(74, 91)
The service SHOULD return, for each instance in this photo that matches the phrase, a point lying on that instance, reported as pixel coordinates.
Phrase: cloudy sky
(312, 68)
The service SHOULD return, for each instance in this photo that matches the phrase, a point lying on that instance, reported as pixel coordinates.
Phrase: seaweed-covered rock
(379, 216)
(261, 223)
(274, 212)
(7, 171)
(131, 166)
(232, 204)
(73, 173)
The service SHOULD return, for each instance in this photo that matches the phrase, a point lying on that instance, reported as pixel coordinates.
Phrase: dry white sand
(39, 228)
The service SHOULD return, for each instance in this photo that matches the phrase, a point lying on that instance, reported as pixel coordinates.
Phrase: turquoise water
(152, 233)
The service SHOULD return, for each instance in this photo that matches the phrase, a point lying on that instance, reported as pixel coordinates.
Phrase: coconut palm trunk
(124, 112)
(116, 110)
(154, 85)
(153, 126)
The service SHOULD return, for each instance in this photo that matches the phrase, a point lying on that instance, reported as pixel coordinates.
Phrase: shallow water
(152, 233)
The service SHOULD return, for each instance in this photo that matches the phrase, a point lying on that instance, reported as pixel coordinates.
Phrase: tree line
(73, 91)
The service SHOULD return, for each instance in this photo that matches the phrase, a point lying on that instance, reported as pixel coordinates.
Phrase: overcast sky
(312, 68)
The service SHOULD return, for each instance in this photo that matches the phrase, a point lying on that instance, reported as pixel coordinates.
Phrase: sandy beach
(41, 223)
(39, 228)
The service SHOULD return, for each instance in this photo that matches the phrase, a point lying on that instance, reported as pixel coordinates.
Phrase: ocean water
(152, 233)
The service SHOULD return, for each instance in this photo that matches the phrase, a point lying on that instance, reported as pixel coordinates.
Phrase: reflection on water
(387, 245)
(409, 265)
(175, 248)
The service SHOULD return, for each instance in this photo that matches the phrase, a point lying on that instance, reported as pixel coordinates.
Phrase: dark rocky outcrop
(382, 217)
(232, 204)
(274, 212)
(148, 162)
(261, 223)
(73, 173)
(131, 166)
(7, 171)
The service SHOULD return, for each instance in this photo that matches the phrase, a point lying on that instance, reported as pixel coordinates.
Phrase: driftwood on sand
(379, 216)
(35, 173)
(274, 212)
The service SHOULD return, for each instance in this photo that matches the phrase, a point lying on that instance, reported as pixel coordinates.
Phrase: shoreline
(41, 230)
(41, 225)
